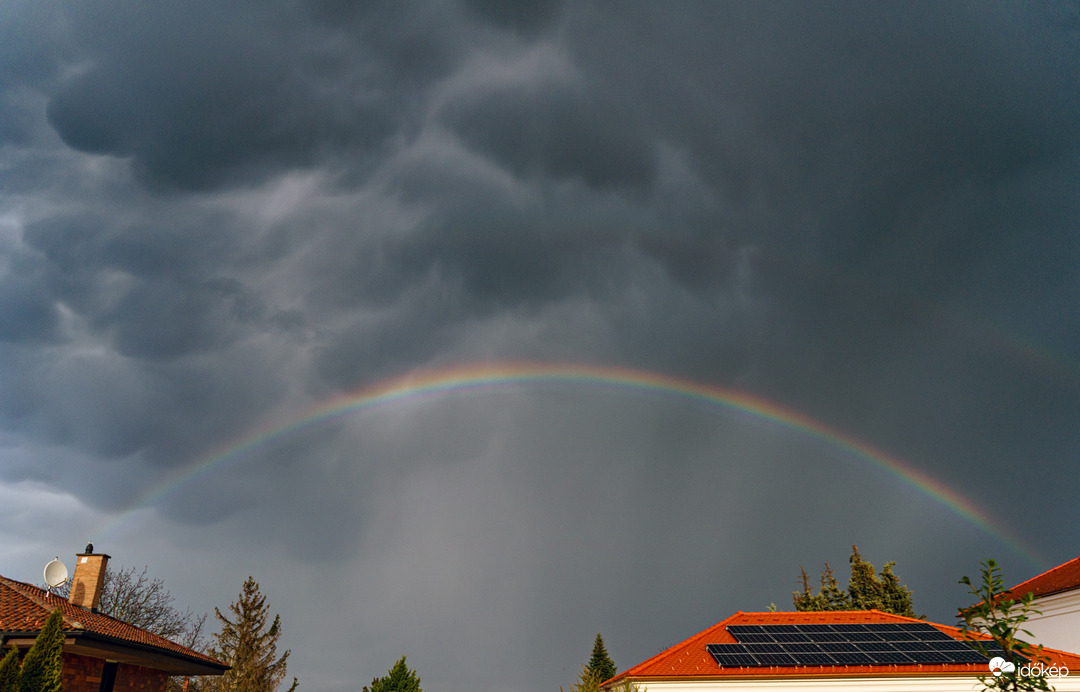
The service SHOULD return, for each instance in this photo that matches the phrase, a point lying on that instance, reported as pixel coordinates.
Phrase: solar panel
(895, 658)
(743, 629)
(735, 660)
(879, 643)
(791, 637)
(815, 659)
(927, 656)
(969, 656)
(776, 659)
(852, 658)
(755, 637)
(900, 636)
(829, 637)
(839, 646)
(875, 646)
(802, 647)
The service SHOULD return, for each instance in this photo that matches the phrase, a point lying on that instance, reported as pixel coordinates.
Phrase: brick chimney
(88, 578)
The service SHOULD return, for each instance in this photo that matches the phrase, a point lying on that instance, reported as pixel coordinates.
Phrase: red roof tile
(1061, 578)
(690, 658)
(24, 608)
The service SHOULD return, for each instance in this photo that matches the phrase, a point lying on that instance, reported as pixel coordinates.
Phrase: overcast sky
(214, 216)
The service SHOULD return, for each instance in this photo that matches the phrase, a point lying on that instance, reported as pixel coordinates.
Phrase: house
(856, 650)
(1057, 598)
(101, 653)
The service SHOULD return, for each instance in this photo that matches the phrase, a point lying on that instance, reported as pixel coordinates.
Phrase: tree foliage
(9, 671)
(400, 678)
(600, 664)
(586, 682)
(866, 590)
(43, 664)
(995, 622)
(249, 644)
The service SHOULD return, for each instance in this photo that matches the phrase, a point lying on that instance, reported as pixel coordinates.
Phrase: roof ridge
(1016, 590)
(27, 591)
(97, 624)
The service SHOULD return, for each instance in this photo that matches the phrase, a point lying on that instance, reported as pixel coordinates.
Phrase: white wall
(904, 684)
(1058, 627)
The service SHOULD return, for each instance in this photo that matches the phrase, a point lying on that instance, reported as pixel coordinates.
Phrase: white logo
(999, 665)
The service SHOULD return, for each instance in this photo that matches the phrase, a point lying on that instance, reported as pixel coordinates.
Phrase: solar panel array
(847, 644)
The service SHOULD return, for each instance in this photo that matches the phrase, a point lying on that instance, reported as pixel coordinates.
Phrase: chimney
(88, 579)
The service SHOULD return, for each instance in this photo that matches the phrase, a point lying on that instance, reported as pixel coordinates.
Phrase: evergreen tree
(865, 590)
(806, 600)
(42, 666)
(896, 597)
(9, 671)
(832, 596)
(587, 682)
(600, 665)
(398, 679)
(250, 646)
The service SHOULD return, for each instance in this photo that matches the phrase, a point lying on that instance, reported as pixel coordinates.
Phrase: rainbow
(476, 377)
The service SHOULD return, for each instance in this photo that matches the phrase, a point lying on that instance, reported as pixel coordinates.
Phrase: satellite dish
(55, 573)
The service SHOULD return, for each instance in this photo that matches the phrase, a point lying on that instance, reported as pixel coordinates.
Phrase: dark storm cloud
(214, 217)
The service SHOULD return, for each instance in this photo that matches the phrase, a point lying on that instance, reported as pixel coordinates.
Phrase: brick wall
(131, 678)
(83, 674)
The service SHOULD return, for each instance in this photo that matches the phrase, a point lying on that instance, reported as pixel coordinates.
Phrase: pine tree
(600, 665)
(865, 590)
(806, 600)
(42, 667)
(896, 596)
(398, 679)
(248, 645)
(586, 682)
(832, 596)
(9, 671)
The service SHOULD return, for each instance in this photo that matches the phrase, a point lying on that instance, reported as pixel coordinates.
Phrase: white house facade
(1057, 597)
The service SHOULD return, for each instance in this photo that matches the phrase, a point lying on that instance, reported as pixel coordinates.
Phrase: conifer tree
(250, 646)
(896, 597)
(866, 590)
(9, 671)
(832, 596)
(806, 600)
(398, 679)
(600, 665)
(586, 682)
(42, 666)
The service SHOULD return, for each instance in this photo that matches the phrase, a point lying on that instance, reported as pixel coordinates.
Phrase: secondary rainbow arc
(465, 378)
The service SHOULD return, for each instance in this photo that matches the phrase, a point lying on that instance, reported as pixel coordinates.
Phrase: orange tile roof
(24, 608)
(690, 658)
(1061, 578)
